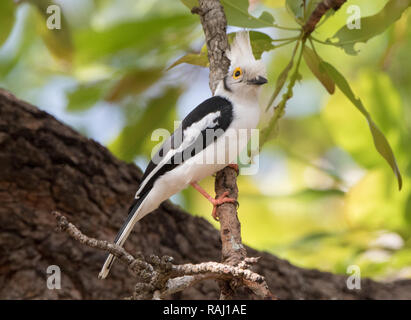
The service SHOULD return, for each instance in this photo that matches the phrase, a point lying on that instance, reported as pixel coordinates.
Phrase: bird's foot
(219, 201)
(235, 167)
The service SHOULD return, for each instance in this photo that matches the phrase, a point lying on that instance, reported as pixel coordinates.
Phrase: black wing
(210, 106)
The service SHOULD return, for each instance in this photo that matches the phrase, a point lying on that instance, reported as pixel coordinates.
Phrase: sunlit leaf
(25, 36)
(133, 83)
(313, 62)
(131, 140)
(266, 17)
(7, 17)
(296, 9)
(58, 41)
(282, 78)
(380, 142)
(273, 3)
(260, 43)
(383, 99)
(237, 15)
(370, 26)
(197, 59)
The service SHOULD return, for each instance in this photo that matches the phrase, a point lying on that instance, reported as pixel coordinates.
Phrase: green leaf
(132, 83)
(260, 43)
(58, 41)
(146, 34)
(25, 37)
(197, 59)
(7, 17)
(282, 78)
(296, 9)
(85, 96)
(266, 17)
(237, 15)
(380, 142)
(133, 137)
(190, 3)
(370, 26)
(273, 3)
(313, 62)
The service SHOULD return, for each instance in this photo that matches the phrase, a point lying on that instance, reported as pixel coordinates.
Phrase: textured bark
(214, 24)
(232, 251)
(45, 165)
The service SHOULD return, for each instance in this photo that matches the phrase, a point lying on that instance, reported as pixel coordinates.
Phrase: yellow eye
(237, 73)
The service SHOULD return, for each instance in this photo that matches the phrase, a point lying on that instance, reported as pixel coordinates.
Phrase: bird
(207, 140)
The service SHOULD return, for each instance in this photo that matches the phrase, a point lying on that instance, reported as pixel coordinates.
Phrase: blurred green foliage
(324, 196)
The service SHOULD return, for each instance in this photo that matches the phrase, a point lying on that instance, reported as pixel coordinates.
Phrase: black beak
(257, 81)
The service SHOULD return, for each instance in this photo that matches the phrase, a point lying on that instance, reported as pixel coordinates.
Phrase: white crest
(240, 52)
(241, 55)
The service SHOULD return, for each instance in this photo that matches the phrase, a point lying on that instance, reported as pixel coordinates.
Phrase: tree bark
(46, 166)
(214, 25)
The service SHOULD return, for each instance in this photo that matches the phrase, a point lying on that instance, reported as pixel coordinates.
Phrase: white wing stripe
(165, 159)
(190, 135)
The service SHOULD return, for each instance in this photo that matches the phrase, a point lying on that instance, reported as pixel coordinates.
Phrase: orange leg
(215, 202)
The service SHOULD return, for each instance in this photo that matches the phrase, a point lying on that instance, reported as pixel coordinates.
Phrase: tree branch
(318, 13)
(214, 24)
(160, 276)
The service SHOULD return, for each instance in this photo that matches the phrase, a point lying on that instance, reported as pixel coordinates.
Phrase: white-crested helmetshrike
(208, 139)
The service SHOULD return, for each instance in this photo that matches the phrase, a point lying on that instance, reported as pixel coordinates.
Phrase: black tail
(123, 233)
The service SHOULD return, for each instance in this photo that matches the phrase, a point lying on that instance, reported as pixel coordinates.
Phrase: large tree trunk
(45, 165)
